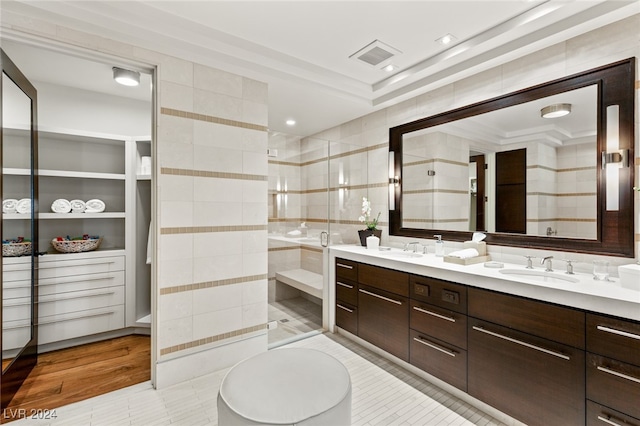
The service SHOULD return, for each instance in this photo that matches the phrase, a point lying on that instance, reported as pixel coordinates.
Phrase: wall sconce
(126, 77)
(394, 181)
(613, 159)
(555, 110)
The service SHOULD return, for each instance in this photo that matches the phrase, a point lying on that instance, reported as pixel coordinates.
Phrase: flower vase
(364, 233)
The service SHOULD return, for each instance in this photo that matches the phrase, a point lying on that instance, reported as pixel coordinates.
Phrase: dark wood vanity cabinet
(347, 295)
(539, 362)
(383, 309)
(373, 304)
(438, 321)
(527, 358)
(613, 370)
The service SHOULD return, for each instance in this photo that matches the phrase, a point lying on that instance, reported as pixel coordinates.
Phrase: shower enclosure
(316, 188)
(298, 235)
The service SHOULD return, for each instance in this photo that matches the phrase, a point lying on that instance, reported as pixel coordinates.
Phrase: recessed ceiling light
(446, 39)
(126, 77)
(389, 68)
(291, 122)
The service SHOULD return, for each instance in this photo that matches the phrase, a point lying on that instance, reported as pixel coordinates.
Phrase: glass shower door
(298, 230)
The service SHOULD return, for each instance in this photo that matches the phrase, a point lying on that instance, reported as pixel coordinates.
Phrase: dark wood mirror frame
(615, 229)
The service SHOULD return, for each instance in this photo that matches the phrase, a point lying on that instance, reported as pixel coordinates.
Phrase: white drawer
(63, 303)
(78, 324)
(49, 286)
(15, 335)
(67, 326)
(63, 268)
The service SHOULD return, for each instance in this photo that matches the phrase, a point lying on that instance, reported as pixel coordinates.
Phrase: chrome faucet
(569, 267)
(547, 262)
(414, 244)
(529, 262)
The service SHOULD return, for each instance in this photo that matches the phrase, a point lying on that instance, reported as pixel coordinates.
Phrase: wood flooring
(74, 374)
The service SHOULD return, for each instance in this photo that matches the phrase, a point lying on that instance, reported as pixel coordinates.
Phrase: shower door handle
(324, 239)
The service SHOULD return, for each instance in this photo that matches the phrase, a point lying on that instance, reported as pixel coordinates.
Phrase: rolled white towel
(61, 206)
(77, 206)
(465, 254)
(9, 205)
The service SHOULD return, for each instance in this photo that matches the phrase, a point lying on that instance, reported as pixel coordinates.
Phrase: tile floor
(294, 317)
(382, 394)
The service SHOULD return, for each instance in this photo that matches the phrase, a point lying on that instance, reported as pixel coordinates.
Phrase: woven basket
(16, 249)
(76, 246)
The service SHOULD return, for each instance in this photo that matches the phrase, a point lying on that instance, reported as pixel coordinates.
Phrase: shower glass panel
(298, 236)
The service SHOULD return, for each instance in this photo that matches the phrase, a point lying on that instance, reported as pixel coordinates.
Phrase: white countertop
(588, 294)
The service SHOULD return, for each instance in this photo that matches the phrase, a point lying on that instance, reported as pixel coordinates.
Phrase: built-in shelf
(64, 173)
(63, 216)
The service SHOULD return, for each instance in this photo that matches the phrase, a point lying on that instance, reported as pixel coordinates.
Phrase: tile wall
(211, 222)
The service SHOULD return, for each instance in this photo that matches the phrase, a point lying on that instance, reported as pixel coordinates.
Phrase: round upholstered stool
(289, 386)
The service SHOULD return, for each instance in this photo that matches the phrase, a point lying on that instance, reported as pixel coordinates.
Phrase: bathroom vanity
(539, 348)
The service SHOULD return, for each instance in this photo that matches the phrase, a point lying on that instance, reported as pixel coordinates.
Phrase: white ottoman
(289, 386)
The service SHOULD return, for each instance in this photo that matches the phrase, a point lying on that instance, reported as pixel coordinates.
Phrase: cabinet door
(442, 324)
(537, 381)
(346, 270)
(599, 415)
(347, 317)
(439, 359)
(614, 338)
(614, 383)
(347, 291)
(383, 320)
(553, 322)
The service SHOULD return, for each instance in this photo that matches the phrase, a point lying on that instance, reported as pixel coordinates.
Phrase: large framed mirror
(548, 167)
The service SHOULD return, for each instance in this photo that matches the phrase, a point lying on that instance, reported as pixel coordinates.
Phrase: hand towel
(465, 254)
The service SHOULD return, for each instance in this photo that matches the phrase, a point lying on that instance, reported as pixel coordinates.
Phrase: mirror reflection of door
(477, 194)
(511, 191)
(19, 189)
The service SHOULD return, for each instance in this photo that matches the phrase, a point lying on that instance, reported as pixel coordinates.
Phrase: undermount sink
(400, 254)
(540, 275)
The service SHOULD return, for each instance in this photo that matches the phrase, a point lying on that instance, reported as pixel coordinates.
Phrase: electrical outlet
(450, 296)
(422, 290)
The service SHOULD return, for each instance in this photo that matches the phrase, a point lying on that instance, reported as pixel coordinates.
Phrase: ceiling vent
(376, 54)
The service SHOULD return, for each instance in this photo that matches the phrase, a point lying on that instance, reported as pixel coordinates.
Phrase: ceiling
(302, 48)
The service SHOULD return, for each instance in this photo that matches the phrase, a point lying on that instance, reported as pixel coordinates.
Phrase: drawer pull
(608, 421)
(345, 308)
(520, 342)
(397, 302)
(81, 280)
(102, 314)
(82, 296)
(434, 346)
(615, 373)
(424, 311)
(42, 267)
(342, 265)
(618, 332)
(344, 285)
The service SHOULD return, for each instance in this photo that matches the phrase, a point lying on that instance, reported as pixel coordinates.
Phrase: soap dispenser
(439, 246)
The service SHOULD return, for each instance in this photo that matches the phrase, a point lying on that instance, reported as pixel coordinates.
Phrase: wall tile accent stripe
(452, 220)
(295, 247)
(436, 160)
(210, 284)
(212, 119)
(332, 157)
(206, 229)
(321, 221)
(551, 169)
(213, 339)
(209, 174)
(571, 194)
(562, 219)
(435, 191)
